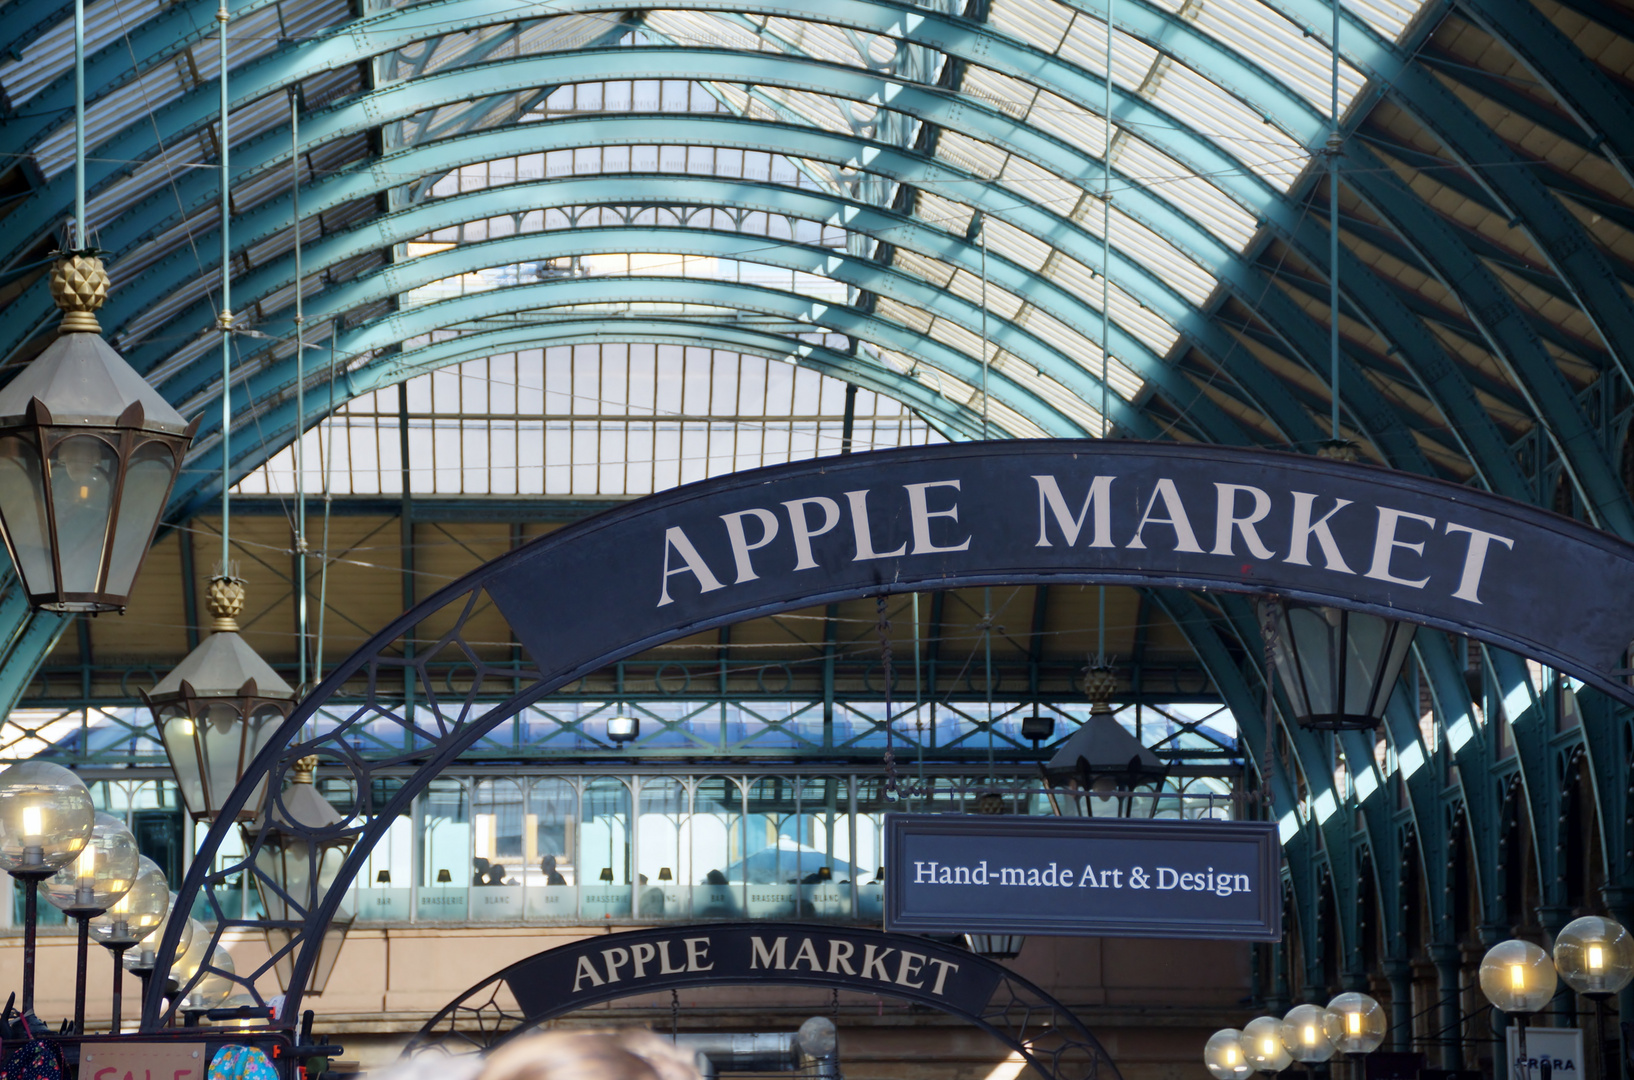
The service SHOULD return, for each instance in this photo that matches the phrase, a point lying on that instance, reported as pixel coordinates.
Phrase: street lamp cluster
(1594, 956)
(86, 864)
(1352, 1023)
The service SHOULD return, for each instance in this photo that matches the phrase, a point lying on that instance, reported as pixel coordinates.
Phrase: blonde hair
(586, 1055)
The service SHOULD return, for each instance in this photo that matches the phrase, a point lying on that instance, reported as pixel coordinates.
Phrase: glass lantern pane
(22, 507)
(147, 483)
(83, 470)
(1364, 653)
(1313, 631)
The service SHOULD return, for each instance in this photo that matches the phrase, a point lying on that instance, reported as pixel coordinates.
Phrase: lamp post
(1337, 667)
(100, 874)
(46, 818)
(1595, 957)
(1115, 774)
(130, 919)
(218, 709)
(88, 455)
(300, 855)
(1223, 1054)
(1517, 977)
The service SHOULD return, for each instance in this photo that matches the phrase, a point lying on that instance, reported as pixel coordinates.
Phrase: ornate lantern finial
(305, 770)
(79, 286)
(226, 602)
(1100, 683)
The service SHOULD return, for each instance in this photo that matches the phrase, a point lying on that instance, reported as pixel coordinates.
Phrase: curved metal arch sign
(607, 967)
(713, 553)
(1135, 513)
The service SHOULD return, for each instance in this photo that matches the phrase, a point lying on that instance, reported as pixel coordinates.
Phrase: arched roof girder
(1303, 335)
(396, 327)
(636, 190)
(1505, 175)
(1267, 391)
(1374, 412)
(1512, 339)
(468, 258)
(276, 421)
(1162, 217)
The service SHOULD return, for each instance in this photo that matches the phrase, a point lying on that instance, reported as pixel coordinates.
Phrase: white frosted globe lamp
(46, 818)
(1262, 1045)
(1223, 1054)
(100, 874)
(1360, 1023)
(1517, 976)
(129, 919)
(1308, 1032)
(1594, 956)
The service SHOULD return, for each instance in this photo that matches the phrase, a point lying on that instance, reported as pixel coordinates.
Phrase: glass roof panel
(588, 420)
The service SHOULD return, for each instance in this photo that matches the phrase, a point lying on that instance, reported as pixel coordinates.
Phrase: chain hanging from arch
(1268, 631)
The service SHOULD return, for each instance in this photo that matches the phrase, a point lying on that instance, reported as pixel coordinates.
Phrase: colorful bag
(34, 1059)
(235, 1063)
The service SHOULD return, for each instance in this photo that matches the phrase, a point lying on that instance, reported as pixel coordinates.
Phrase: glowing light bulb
(1517, 976)
(85, 866)
(1231, 1055)
(1310, 1034)
(33, 825)
(184, 728)
(1268, 1047)
(1353, 1021)
(1597, 958)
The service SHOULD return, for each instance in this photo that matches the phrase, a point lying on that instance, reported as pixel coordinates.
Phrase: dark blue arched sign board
(707, 956)
(971, 514)
(1031, 511)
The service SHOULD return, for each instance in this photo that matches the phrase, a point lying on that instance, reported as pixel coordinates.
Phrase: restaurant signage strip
(1149, 514)
(1090, 877)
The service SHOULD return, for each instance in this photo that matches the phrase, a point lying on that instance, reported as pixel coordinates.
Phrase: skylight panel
(1265, 149)
(1086, 47)
(1140, 163)
(1020, 247)
(945, 214)
(703, 28)
(52, 53)
(1012, 97)
(820, 40)
(1142, 323)
(916, 319)
(1068, 122)
(1176, 269)
(1303, 63)
(981, 159)
(933, 272)
(1000, 304)
(1389, 17)
(1040, 23)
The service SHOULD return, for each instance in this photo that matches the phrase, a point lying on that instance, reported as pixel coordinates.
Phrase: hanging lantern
(301, 854)
(88, 455)
(1337, 667)
(996, 946)
(218, 709)
(1115, 774)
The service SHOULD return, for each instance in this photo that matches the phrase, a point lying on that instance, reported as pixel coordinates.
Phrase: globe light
(216, 986)
(141, 959)
(1517, 976)
(1308, 1032)
(1594, 956)
(184, 965)
(139, 912)
(100, 874)
(1224, 1056)
(46, 817)
(1262, 1045)
(1361, 1023)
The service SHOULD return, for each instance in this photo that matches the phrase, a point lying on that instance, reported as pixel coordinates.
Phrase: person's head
(548, 863)
(481, 864)
(573, 1055)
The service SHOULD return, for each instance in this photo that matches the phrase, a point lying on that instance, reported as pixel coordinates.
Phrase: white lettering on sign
(1054, 876)
(924, 518)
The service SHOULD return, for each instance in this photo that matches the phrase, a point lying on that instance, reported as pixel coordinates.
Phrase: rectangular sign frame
(1056, 849)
